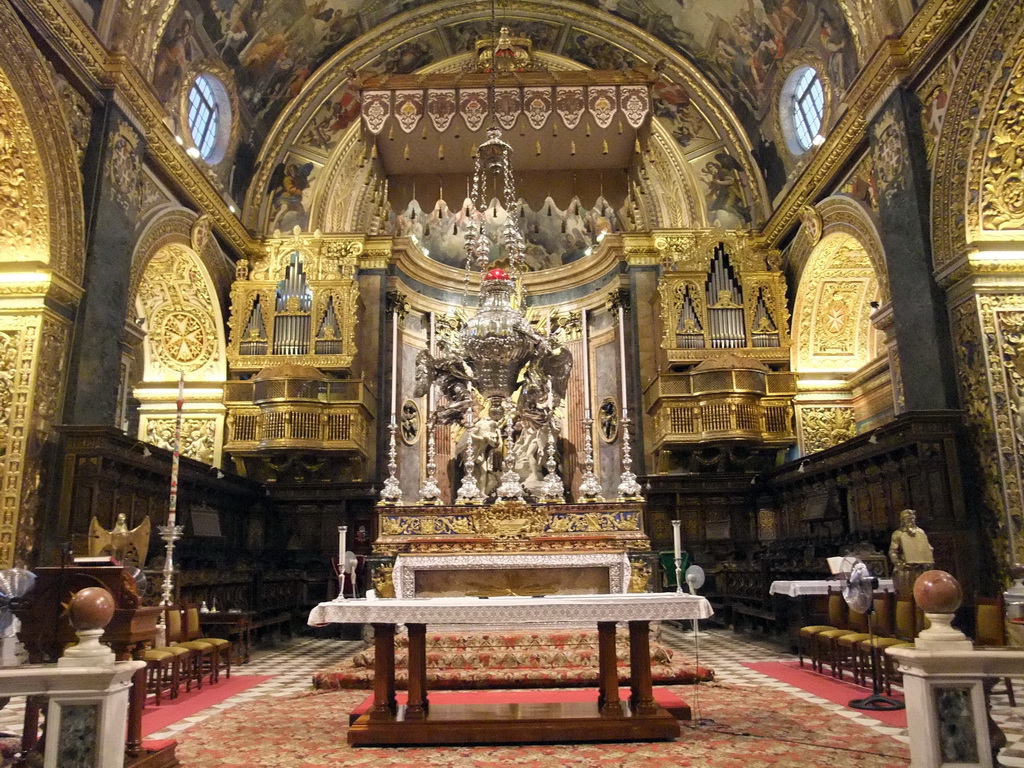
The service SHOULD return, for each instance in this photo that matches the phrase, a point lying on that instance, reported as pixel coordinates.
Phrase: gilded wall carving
(31, 388)
(182, 322)
(975, 110)
(24, 226)
(1002, 205)
(990, 390)
(198, 436)
(35, 136)
(822, 427)
(47, 397)
(832, 311)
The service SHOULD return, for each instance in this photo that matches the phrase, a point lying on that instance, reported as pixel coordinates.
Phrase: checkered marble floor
(292, 667)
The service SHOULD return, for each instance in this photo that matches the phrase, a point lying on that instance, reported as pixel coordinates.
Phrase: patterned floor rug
(741, 728)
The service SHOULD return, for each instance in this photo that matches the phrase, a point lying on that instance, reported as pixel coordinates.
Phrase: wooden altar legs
(417, 722)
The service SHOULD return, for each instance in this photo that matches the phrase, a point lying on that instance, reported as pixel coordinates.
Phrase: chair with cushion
(836, 617)
(826, 643)
(902, 636)
(194, 632)
(203, 655)
(990, 630)
(162, 672)
(849, 646)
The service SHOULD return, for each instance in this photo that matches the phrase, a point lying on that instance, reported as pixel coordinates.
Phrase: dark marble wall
(919, 310)
(112, 173)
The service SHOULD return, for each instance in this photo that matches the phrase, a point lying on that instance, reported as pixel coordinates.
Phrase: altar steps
(511, 660)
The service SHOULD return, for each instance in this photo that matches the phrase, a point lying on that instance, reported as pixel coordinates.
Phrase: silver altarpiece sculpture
(495, 375)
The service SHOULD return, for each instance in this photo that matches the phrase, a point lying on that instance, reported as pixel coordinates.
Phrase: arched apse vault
(832, 329)
(349, 189)
(692, 110)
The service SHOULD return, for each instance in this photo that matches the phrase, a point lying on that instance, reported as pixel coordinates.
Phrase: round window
(803, 109)
(209, 118)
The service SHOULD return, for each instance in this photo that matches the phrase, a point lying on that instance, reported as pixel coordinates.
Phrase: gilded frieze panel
(822, 427)
(198, 436)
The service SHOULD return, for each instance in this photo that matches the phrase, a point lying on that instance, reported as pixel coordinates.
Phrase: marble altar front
(518, 573)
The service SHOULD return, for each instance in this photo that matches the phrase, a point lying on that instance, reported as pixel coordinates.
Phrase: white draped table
(817, 587)
(641, 718)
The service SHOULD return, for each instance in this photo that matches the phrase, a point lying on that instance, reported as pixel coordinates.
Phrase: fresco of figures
(272, 47)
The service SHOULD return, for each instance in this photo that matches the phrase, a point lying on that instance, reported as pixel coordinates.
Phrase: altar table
(640, 718)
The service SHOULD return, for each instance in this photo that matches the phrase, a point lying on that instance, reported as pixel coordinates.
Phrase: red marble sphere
(91, 608)
(497, 274)
(938, 592)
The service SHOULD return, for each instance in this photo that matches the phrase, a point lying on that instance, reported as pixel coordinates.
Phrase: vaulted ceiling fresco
(273, 47)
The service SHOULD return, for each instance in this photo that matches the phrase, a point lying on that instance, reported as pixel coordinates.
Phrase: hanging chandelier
(493, 179)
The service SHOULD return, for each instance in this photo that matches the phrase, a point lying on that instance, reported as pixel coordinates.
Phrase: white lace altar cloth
(657, 606)
(406, 566)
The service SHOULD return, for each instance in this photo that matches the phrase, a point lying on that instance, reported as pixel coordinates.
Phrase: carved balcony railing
(291, 413)
(722, 405)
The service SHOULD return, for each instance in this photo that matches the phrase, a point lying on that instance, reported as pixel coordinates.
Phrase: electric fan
(858, 592)
(15, 583)
(349, 564)
(694, 580)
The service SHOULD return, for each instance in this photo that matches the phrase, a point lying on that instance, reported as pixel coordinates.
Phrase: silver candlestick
(679, 574)
(430, 492)
(554, 488)
(391, 493)
(590, 488)
(511, 486)
(629, 488)
(469, 492)
(170, 534)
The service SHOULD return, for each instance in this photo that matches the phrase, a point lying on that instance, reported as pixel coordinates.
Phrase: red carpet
(170, 711)
(827, 687)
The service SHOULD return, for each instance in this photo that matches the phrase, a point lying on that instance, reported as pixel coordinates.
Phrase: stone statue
(528, 453)
(910, 553)
(449, 371)
(128, 547)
